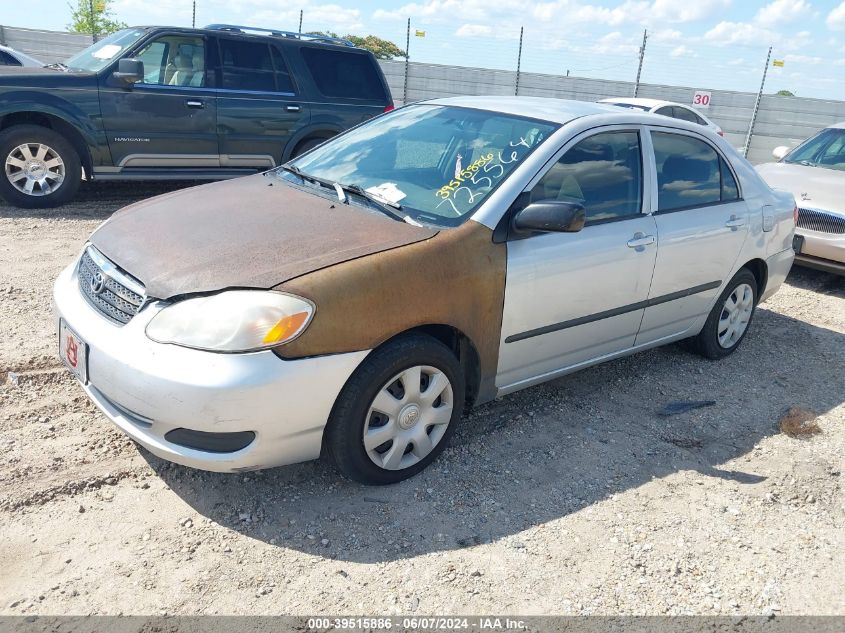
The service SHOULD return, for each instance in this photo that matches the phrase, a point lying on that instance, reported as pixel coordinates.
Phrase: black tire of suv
(707, 341)
(307, 145)
(343, 440)
(17, 135)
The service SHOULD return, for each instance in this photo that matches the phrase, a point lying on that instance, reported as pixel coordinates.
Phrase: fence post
(756, 106)
(518, 61)
(407, 62)
(194, 16)
(300, 21)
(93, 20)
(640, 66)
(2, 35)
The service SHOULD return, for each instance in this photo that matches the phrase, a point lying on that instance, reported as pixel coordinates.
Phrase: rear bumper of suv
(219, 412)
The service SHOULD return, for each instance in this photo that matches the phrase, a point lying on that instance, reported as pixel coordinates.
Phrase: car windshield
(99, 55)
(825, 149)
(436, 164)
(630, 106)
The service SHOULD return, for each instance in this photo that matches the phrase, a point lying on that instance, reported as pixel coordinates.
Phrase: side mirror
(129, 71)
(550, 216)
(780, 151)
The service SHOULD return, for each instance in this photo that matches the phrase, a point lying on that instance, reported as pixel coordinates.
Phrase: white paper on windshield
(387, 191)
(107, 52)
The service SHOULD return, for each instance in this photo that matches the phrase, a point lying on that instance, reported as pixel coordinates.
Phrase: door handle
(639, 240)
(194, 103)
(735, 222)
(293, 108)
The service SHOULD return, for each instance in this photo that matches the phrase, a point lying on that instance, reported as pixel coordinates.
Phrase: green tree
(381, 48)
(785, 93)
(93, 16)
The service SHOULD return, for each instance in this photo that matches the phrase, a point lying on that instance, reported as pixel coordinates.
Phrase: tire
(307, 145)
(21, 148)
(723, 332)
(405, 419)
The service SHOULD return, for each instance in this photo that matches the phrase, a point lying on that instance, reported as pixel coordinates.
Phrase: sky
(700, 43)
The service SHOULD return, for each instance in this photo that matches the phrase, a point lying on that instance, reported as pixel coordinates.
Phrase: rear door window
(685, 114)
(344, 75)
(688, 172)
(246, 65)
(7, 60)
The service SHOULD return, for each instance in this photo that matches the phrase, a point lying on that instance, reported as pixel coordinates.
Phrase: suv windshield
(825, 149)
(436, 163)
(98, 55)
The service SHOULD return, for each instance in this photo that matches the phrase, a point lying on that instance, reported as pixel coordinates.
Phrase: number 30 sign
(701, 99)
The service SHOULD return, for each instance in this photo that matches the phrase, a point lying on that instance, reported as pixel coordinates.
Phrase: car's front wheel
(41, 168)
(728, 321)
(397, 411)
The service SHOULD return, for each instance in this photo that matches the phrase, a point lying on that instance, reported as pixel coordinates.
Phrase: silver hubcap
(408, 417)
(735, 315)
(35, 169)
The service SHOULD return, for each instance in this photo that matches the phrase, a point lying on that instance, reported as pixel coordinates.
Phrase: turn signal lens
(389, 107)
(285, 328)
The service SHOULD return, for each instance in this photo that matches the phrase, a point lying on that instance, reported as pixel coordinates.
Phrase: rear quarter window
(344, 75)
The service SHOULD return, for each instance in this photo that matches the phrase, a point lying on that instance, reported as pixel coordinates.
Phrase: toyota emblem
(98, 283)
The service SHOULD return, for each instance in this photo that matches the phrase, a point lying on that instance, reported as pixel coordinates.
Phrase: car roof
(545, 108)
(639, 101)
(838, 126)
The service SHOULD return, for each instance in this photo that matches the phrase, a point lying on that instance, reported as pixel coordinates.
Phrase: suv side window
(284, 83)
(689, 172)
(343, 75)
(246, 65)
(603, 172)
(174, 60)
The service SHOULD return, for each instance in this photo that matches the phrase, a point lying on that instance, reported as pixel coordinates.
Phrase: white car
(11, 57)
(350, 302)
(666, 108)
(814, 172)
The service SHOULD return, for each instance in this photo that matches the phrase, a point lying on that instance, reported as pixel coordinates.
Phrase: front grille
(820, 221)
(108, 289)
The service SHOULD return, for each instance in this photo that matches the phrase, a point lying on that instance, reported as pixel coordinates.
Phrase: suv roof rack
(235, 28)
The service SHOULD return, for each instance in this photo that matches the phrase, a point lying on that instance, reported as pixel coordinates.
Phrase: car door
(258, 108)
(168, 119)
(702, 223)
(574, 297)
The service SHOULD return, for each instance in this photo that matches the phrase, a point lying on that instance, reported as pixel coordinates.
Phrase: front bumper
(148, 389)
(825, 251)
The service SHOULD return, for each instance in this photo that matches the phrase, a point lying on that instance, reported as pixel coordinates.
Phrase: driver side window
(602, 172)
(174, 61)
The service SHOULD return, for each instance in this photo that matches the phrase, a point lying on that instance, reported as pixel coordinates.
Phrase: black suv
(152, 103)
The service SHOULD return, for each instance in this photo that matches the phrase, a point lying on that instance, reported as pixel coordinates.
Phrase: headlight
(232, 321)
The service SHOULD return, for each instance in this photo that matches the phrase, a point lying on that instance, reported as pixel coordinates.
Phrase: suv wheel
(307, 145)
(40, 167)
(397, 412)
(730, 318)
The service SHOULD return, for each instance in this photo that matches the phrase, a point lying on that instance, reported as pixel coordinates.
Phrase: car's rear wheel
(41, 169)
(729, 320)
(397, 411)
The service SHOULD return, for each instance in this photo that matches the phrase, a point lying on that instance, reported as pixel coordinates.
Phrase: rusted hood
(252, 232)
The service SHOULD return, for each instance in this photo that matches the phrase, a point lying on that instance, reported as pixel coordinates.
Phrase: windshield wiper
(807, 163)
(58, 65)
(385, 206)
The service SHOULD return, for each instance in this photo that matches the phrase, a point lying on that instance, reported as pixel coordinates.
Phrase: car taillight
(388, 107)
(795, 215)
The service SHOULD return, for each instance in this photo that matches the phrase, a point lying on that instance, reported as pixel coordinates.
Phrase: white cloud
(728, 33)
(836, 18)
(803, 59)
(782, 12)
(683, 51)
(675, 11)
(473, 30)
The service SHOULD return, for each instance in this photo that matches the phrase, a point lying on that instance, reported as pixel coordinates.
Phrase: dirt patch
(573, 497)
(799, 423)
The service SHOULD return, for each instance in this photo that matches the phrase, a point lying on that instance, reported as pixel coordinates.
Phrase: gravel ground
(573, 497)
